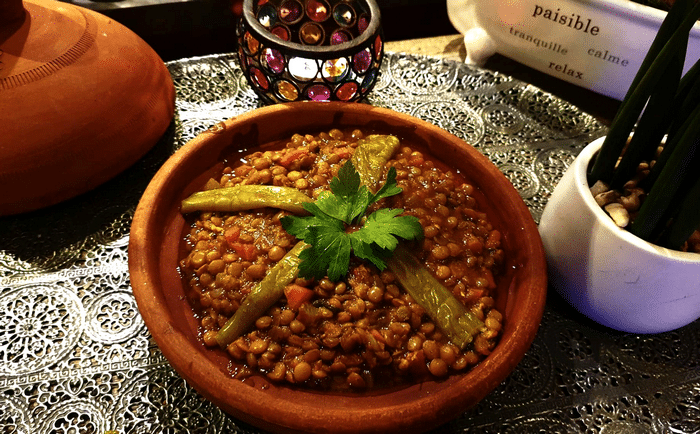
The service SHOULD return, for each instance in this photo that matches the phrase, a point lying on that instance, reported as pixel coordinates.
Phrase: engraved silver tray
(75, 356)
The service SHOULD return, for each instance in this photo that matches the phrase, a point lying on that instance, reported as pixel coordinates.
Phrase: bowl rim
(431, 402)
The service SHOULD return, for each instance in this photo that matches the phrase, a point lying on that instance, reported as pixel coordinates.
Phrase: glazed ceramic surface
(607, 273)
(81, 99)
(153, 257)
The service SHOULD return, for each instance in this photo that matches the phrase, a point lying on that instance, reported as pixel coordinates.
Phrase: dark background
(186, 28)
(179, 29)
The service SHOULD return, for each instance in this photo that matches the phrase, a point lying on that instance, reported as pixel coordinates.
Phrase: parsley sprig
(338, 226)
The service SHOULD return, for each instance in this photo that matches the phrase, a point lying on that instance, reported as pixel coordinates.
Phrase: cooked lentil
(363, 331)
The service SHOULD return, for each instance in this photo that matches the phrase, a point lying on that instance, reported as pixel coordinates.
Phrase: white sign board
(598, 45)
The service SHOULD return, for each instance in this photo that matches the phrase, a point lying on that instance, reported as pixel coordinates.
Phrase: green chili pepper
(245, 197)
(371, 156)
(263, 296)
(450, 315)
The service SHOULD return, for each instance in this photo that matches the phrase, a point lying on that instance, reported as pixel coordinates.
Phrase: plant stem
(671, 177)
(669, 148)
(686, 221)
(667, 44)
(652, 126)
(688, 96)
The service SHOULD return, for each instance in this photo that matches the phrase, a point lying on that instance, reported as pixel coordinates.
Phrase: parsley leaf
(329, 254)
(299, 227)
(335, 212)
(347, 183)
(383, 226)
(348, 199)
(388, 189)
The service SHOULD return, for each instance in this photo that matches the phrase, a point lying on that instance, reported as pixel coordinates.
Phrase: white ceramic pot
(608, 274)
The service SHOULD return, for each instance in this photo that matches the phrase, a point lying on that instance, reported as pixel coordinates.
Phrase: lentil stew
(363, 331)
(156, 246)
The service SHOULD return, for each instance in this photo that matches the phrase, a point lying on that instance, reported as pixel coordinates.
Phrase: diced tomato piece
(242, 170)
(473, 214)
(377, 334)
(344, 152)
(416, 161)
(212, 184)
(297, 295)
(474, 245)
(489, 277)
(292, 155)
(231, 235)
(473, 295)
(246, 251)
(494, 240)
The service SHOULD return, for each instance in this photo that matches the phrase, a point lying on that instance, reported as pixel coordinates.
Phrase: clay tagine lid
(82, 98)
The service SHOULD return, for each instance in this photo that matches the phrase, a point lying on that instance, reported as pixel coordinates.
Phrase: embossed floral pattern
(38, 326)
(75, 356)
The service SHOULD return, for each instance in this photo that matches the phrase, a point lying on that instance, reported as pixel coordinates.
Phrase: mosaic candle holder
(319, 50)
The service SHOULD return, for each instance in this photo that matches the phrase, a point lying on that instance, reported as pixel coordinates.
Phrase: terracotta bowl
(153, 257)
